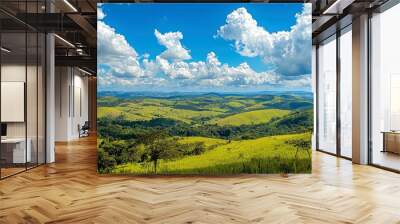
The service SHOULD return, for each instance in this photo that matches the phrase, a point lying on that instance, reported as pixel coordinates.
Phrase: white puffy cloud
(124, 69)
(175, 70)
(241, 75)
(116, 53)
(108, 81)
(213, 73)
(172, 41)
(100, 13)
(288, 51)
(121, 66)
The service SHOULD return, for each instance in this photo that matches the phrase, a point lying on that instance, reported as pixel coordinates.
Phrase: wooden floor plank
(71, 191)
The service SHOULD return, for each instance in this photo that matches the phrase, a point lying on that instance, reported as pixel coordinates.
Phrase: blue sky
(250, 49)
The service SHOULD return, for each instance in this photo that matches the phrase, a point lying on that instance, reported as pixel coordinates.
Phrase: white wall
(71, 102)
(80, 109)
(62, 81)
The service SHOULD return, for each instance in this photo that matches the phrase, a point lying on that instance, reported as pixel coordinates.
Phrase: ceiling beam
(77, 61)
(84, 24)
(337, 7)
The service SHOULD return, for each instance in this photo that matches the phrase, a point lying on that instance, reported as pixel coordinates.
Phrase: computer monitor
(3, 129)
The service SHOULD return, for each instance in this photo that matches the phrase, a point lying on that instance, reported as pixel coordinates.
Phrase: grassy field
(264, 155)
(251, 117)
(148, 111)
(207, 141)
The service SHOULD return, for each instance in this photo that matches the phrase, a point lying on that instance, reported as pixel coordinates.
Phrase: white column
(50, 100)
(62, 103)
(314, 90)
(360, 90)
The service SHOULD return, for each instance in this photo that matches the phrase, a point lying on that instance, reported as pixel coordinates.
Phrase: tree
(148, 138)
(300, 144)
(105, 162)
(141, 152)
(133, 153)
(226, 133)
(162, 148)
(199, 148)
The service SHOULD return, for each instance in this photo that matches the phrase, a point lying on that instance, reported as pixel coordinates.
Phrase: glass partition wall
(345, 91)
(334, 94)
(385, 90)
(22, 77)
(327, 95)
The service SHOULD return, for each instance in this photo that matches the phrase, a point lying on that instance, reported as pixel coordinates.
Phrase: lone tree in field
(226, 133)
(162, 148)
(199, 148)
(300, 144)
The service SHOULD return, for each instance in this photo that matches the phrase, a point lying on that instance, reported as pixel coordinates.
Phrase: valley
(207, 134)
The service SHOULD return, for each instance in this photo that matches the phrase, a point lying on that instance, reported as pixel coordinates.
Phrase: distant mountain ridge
(139, 94)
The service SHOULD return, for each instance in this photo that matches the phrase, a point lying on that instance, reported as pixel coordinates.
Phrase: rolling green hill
(210, 134)
(137, 112)
(251, 117)
(207, 141)
(185, 108)
(263, 155)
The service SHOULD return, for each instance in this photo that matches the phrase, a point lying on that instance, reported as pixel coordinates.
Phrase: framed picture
(204, 89)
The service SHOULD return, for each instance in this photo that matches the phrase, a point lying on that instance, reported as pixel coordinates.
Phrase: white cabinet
(19, 155)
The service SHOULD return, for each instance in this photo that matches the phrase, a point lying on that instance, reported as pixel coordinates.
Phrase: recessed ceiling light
(86, 72)
(5, 50)
(64, 40)
(70, 5)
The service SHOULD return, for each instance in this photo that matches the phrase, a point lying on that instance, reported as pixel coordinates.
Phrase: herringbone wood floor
(70, 191)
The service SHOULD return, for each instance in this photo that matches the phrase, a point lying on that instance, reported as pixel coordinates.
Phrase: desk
(391, 141)
(15, 148)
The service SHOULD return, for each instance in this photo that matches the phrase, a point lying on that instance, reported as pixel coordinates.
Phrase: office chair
(84, 130)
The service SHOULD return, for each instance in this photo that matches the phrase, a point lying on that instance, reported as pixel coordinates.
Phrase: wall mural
(208, 89)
